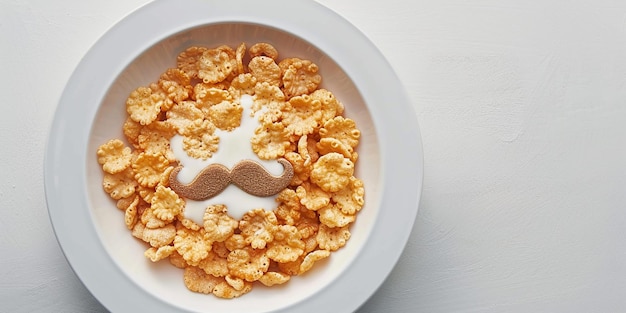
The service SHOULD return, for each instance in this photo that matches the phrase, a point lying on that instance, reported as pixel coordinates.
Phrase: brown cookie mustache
(248, 175)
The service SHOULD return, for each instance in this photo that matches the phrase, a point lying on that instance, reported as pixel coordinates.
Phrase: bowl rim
(394, 120)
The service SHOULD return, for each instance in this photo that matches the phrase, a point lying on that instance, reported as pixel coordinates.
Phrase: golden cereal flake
(160, 253)
(183, 114)
(331, 107)
(197, 280)
(150, 220)
(274, 278)
(214, 264)
(263, 49)
(299, 77)
(312, 196)
(264, 69)
(130, 213)
(187, 61)
(287, 245)
(131, 131)
(343, 129)
(159, 237)
(270, 141)
(226, 115)
(208, 96)
(332, 238)
(352, 198)
(114, 156)
(247, 263)
(177, 260)
(119, 185)
(143, 105)
(226, 291)
(192, 245)
(234, 242)
(176, 84)
(155, 139)
(200, 141)
(303, 115)
(166, 204)
(332, 172)
(215, 65)
(258, 227)
(332, 216)
(311, 258)
(239, 55)
(218, 224)
(242, 84)
(328, 145)
(148, 168)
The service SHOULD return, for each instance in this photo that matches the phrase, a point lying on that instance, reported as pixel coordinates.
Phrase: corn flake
(160, 253)
(183, 114)
(299, 77)
(119, 185)
(226, 115)
(218, 225)
(343, 129)
(332, 238)
(332, 172)
(199, 141)
(159, 237)
(148, 168)
(166, 204)
(258, 227)
(332, 216)
(264, 69)
(352, 198)
(247, 263)
(263, 49)
(197, 280)
(215, 65)
(187, 61)
(304, 115)
(114, 156)
(270, 141)
(143, 105)
(287, 245)
(274, 278)
(311, 258)
(192, 245)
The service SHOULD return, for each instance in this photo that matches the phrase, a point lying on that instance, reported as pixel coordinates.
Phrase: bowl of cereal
(236, 156)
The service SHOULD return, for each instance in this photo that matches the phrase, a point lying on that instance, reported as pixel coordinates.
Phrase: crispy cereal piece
(192, 245)
(308, 224)
(226, 291)
(299, 77)
(130, 213)
(257, 227)
(183, 114)
(235, 282)
(264, 69)
(131, 131)
(158, 237)
(176, 84)
(143, 105)
(124, 203)
(114, 156)
(218, 224)
(242, 84)
(287, 245)
(301, 169)
(214, 264)
(155, 139)
(274, 278)
(119, 185)
(166, 204)
(187, 61)
(332, 238)
(352, 198)
(263, 49)
(343, 129)
(312, 197)
(215, 65)
(311, 258)
(307, 147)
(200, 141)
(270, 141)
(304, 115)
(187, 223)
(331, 107)
(220, 249)
(239, 55)
(332, 216)
(208, 96)
(235, 242)
(226, 115)
(197, 280)
(332, 172)
(177, 260)
(310, 244)
(247, 263)
(150, 220)
(328, 145)
(160, 253)
(291, 268)
(148, 168)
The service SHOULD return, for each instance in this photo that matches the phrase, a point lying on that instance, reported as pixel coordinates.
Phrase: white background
(522, 108)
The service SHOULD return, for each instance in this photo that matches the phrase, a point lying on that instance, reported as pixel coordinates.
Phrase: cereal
(332, 172)
(218, 224)
(114, 156)
(144, 106)
(299, 77)
(301, 126)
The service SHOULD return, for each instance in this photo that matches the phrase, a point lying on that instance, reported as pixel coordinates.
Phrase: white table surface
(522, 108)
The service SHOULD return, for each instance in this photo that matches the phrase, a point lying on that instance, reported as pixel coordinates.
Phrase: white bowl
(133, 53)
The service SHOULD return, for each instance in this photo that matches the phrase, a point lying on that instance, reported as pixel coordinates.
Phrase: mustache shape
(248, 175)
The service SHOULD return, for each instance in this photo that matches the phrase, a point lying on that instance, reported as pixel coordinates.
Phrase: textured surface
(522, 108)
